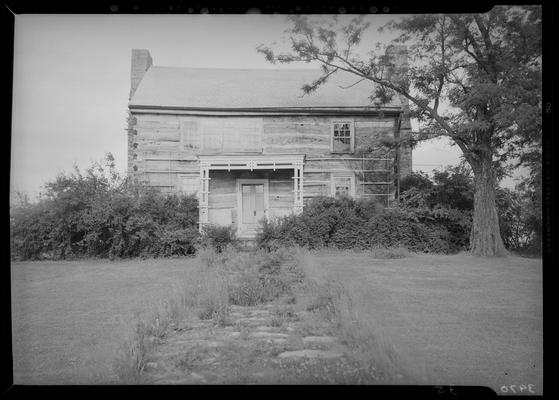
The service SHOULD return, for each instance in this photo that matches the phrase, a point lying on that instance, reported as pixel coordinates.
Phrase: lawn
(459, 320)
(69, 318)
(453, 319)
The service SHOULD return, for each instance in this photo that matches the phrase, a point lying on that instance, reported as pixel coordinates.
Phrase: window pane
(342, 145)
(342, 137)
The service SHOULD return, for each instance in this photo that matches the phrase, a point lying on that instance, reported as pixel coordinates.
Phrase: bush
(325, 221)
(177, 242)
(219, 237)
(418, 180)
(350, 224)
(100, 214)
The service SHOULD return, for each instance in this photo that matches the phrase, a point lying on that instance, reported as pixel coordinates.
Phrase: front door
(252, 207)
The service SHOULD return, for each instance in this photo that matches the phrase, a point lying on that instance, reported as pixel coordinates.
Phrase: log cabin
(250, 145)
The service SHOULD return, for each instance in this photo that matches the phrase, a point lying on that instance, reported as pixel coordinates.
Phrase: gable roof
(216, 88)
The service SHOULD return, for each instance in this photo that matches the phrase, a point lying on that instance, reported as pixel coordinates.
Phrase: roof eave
(343, 110)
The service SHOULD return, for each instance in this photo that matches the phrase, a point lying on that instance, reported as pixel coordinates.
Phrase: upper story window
(342, 137)
(222, 135)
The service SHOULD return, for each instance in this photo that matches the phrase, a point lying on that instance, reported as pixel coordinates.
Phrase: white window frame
(351, 184)
(352, 136)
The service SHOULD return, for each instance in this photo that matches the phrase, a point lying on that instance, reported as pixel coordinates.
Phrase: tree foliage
(475, 78)
(452, 190)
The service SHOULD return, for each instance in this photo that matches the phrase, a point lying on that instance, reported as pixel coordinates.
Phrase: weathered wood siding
(311, 135)
(191, 135)
(163, 148)
(223, 194)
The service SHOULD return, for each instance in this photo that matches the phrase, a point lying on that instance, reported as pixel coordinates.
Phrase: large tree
(475, 78)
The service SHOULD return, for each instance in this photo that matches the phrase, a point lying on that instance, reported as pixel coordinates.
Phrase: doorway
(252, 205)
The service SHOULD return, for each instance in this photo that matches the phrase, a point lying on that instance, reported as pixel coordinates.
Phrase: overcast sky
(72, 80)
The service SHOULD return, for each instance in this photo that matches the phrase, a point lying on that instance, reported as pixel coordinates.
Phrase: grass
(370, 357)
(435, 319)
(218, 280)
(69, 319)
(457, 319)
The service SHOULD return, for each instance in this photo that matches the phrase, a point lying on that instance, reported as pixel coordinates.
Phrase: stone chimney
(396, 72)
(141, 62)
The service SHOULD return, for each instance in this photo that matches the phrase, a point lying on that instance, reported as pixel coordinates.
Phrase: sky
(72, 81)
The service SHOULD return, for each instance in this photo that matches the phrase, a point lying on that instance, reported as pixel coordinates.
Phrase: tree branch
(488, 45)
(484, 33)
(467, 34)
(470, 39)
(354, 70)
(442, 75)
(352, 85)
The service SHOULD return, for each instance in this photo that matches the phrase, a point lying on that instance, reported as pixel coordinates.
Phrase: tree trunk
(485, 237)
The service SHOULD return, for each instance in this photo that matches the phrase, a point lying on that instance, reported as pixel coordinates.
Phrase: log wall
(163, 149)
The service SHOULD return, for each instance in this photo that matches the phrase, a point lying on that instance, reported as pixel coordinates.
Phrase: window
(216, 135)
(342, 139)
(343, 186)
(190, 138)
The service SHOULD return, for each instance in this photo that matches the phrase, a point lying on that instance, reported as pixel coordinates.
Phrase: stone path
(266, 344)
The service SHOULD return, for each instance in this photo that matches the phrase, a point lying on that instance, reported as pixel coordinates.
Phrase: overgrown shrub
(219, 237)
(346, 224)
(101, 214)
(433, 216)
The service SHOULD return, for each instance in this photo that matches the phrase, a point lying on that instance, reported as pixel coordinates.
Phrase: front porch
(241, 190)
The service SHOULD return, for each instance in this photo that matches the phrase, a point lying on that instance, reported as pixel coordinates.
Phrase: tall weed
(371, 354)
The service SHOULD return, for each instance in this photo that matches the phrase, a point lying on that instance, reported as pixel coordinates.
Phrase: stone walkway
(265, 344)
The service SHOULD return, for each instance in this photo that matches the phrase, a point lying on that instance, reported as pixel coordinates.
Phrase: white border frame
(240, 182)
(352, 136)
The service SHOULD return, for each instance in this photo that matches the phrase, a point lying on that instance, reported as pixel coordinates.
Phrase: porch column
(298, 187)
(204, 192)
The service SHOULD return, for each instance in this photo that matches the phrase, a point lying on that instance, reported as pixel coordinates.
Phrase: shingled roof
(215, 88)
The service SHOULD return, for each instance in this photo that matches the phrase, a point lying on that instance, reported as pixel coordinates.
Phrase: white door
(253, 204)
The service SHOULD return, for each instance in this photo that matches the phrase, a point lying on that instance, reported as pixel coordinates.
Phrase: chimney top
(141, 62)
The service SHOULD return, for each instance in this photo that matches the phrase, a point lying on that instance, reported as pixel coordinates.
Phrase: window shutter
(190, 136)
(212, 135)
